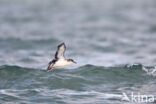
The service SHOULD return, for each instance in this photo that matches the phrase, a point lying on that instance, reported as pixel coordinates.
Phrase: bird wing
(51, 64)
(60, 51)
(50, 67)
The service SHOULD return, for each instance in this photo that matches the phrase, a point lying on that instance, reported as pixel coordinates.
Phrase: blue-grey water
(112, 41)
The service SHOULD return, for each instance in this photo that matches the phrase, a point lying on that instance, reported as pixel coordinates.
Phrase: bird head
(71, 60)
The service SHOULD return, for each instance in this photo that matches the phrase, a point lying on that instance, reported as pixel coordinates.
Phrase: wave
(87, 70)
(116, 73)
(87, 81)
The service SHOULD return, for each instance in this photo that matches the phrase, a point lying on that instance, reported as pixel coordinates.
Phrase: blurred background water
(107, 38)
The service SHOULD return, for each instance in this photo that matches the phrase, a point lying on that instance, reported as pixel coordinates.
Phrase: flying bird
(59, 59)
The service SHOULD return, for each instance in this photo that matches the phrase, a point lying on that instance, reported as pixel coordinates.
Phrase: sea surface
(112, 41)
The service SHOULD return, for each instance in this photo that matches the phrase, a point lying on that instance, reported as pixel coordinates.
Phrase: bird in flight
(59, 59)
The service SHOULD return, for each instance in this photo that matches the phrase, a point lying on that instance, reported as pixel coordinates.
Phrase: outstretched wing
(51, 64)
(50, 67)
(60, 51)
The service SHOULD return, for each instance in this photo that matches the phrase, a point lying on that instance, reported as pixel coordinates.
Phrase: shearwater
(59, 59)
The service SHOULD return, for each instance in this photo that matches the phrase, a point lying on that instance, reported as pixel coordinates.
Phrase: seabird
(59, 59)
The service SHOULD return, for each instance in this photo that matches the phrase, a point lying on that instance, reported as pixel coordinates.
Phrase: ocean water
(112, 41)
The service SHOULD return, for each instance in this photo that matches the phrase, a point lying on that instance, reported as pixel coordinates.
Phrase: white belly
(62, 63)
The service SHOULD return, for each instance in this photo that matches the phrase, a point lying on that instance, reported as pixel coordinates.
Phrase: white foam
(150, 71)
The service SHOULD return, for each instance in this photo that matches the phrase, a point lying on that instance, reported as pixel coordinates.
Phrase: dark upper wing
(51, 64)
(60, 51)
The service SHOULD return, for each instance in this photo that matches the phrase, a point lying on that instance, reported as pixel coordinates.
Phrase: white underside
(62, 62)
